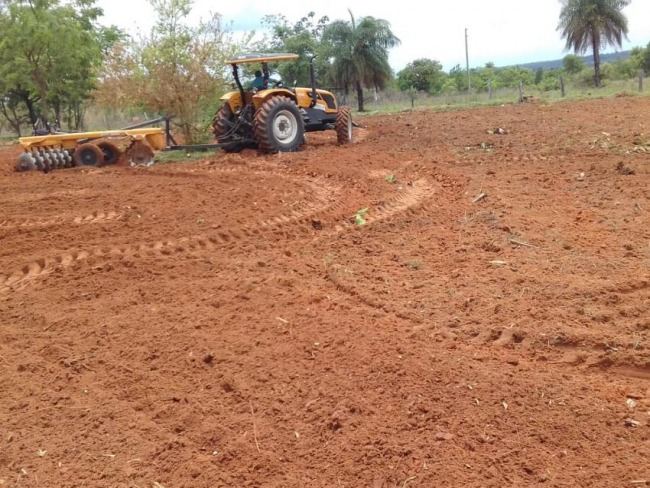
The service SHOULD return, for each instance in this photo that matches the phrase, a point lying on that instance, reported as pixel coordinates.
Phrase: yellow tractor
(275, 118)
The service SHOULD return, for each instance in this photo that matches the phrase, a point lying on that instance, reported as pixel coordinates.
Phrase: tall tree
(359, 53)
(178, 69)
(593, 24)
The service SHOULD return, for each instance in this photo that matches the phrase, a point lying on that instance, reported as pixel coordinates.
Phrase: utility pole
(469, 78)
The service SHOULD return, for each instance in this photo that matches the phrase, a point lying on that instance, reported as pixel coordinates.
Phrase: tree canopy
(50, 54)
(424, 75)
(359, 53)
(303, 38)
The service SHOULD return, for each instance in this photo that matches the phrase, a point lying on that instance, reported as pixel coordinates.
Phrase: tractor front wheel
(343, 125)
(279, 126)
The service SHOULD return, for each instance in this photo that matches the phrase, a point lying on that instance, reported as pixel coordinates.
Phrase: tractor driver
(260, 83)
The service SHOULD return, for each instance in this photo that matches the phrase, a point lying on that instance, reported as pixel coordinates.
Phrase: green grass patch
(359, 217)
(180, 156)
(398, 102)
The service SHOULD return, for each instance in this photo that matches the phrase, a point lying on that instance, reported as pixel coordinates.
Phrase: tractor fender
(233, 99)
(263, 95)
(227, 96)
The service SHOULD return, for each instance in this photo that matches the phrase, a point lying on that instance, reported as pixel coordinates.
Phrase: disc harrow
(63, 150)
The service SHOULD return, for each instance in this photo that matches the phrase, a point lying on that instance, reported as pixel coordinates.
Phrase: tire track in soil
(410, 201)
(97, 217)
(580, 347)
(413, 196)
(584, 340)
(503, 338)
(34, 197)
(324, 194)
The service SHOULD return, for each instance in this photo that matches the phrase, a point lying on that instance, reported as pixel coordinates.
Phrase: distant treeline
(589, 60)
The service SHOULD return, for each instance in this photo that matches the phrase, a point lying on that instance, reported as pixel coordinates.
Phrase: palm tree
(593, 24)
(359, 53)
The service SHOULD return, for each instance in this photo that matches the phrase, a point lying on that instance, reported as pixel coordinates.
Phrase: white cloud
(502, 31)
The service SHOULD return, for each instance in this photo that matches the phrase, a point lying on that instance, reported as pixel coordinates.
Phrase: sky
(505, 32)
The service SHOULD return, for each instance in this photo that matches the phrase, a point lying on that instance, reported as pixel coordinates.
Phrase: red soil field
(228, 323)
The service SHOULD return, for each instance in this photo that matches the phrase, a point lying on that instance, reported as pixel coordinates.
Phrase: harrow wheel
(111, 152)
(278, 125)
(343, 125)
(88, 154)
(140, 153)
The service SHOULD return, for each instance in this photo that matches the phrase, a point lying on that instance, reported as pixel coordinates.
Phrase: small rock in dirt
(631, 423)
(512, 362)
(208, 358)
(444, 436)
(316, 224)
(624, 169)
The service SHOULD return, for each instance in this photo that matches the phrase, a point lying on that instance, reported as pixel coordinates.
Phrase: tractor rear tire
(223, 125)
(88, 154)
(278, 125)
(111, 152)
(343, 125)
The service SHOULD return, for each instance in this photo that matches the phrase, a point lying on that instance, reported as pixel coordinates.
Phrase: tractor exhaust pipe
(312, 77)
(240, 87)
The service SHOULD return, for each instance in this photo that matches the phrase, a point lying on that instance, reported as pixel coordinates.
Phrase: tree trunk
(29, 103)
(595, 40)
(42, 91)
(360, 96)
(11, 116)
(57, 114)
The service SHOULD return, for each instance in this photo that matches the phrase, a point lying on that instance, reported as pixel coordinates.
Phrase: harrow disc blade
(26, 162)
(140, 154)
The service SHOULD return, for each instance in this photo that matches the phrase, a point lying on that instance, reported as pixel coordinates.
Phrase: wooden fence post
(640, 80)
(562, 89)
(490, 90)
